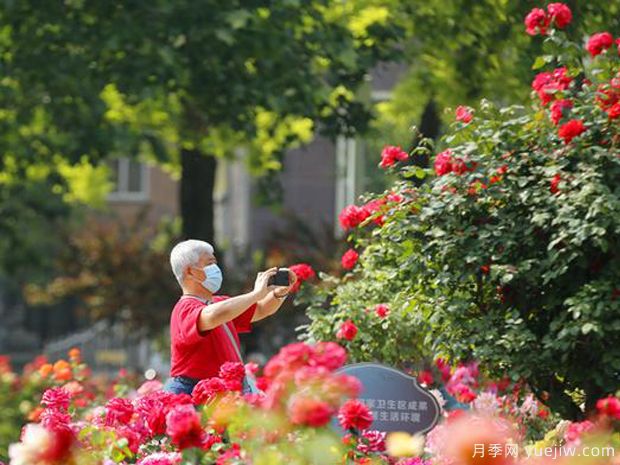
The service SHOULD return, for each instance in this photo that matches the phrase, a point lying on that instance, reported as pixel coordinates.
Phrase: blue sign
(395, 399)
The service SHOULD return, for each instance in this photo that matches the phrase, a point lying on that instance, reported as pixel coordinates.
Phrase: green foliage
(460, 51)
(512, 261)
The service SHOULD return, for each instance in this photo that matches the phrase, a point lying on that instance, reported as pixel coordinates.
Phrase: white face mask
(213, 278)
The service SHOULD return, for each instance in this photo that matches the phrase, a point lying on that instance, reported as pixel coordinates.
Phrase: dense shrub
(508, 253)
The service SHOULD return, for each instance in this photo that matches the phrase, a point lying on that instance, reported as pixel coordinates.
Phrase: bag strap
(231, 338)
(233, 341)
(249, 379)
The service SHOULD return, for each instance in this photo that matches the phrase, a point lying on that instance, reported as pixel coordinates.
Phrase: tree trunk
(430, 123)
(196, 195)
(430, 127)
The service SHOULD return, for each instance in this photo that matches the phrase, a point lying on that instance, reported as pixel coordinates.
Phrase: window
(130, 179)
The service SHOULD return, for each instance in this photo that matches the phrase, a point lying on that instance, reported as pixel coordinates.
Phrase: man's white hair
(187, 253)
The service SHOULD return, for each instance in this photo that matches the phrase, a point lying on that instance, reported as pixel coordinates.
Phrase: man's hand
(274, 300)
(281, 291)
(261, 285)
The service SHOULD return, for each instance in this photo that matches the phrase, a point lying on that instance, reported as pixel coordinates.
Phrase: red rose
(554, 184)
(355, 415)
(234, 371)
(614, 111)
(610, 406)
(464, 114)
(558, 108)
(568, 131)
(349, 259)
(304, 272)
(56, 398)
(426, 377)
(351, 216)
(310, 412)
(547, 84)
(560, 14)
(183, 427)
(391, 154)
(207, 389)
(599, 42)
(382, 310)
(118, 411)
(536, 22)
(443, 162)
(374, 206)
(347, 331)
(485, 269)
(460, 166)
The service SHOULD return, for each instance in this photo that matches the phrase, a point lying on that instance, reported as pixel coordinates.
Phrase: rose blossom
(568, 131)
(382, 310)
(614, 111)
(57, 398)
(354, 415)
(426, 377)
(599, 42)
(351, 216)
(536, 22)
(329, 355)
(183, 427)
(207, 389)
(118, 411)
(347, 331)
(391, 154)
(443, 162)
(304, 272)
(560, 14)
(609, 406)
(349, 259)
(557, 109)
(372, 441)
(576, 430)
(310, 412)
(232, 371)
(464, 114)
(39, 445)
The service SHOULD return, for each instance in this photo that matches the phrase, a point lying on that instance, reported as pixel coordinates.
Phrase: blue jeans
(180, 385)
(183, 385)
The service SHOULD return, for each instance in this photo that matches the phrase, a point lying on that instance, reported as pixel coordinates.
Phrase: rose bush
(290, 422)
(508, 253)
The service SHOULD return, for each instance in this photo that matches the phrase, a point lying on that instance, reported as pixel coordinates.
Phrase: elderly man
(204, 328)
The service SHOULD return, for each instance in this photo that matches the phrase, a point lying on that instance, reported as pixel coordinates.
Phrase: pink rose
(560, 14)
(391, 154)
(464, 114)
(536, 22)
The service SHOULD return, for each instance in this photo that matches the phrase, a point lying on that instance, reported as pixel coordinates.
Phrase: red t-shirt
(198, 354)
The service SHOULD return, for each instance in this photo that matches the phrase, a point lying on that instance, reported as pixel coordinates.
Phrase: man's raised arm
(216, 314)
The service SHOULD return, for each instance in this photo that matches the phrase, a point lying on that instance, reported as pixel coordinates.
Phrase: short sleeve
(188, 322)
(243, 323)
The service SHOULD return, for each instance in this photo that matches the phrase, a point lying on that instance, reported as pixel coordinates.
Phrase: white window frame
(348, 167)
(122, 194)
